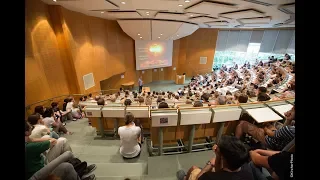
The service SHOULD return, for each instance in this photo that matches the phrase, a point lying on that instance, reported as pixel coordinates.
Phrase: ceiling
(173, 19)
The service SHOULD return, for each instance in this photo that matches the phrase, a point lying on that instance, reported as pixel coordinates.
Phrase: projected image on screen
(153, 54)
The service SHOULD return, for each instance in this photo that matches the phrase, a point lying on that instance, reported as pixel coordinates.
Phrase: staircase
(111, 166)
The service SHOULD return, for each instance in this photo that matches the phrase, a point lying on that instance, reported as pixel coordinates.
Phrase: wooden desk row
(172, 128)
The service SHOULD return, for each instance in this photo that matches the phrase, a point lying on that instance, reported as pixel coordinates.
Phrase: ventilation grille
(88, 81)
(258, 2)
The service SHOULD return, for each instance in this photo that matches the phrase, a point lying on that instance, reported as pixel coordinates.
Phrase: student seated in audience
(39, 129)
(51, 122)
(101, 102)
(39, 109)
(130, 138)
(163, 105)
(243, 98)
(55, 152)
(197, 104)
(229, 163)
(269, 136)
(58, 113)
(75, 111)
(279, 163)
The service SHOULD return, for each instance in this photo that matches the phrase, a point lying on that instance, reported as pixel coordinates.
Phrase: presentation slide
(153, 54)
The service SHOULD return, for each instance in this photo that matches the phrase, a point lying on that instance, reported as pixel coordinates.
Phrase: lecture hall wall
(62, 46)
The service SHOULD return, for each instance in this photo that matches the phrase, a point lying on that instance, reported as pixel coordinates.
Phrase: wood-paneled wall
(44, 72)
(62, 46)
(202, 43)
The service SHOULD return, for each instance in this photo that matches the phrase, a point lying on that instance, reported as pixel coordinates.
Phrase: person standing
(140, 82)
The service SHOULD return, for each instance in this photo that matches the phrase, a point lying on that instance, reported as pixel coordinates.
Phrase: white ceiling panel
(124, 15)
(166, 28)
(290, 7)
(147, 13)
(135, 27)
(211, 8)
(264, 20)
(171, 16)
(243, 14)
(249, 13)
(202, 19)
(218, 23)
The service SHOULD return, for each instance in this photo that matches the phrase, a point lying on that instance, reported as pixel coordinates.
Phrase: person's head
(126, 92)
(90, 95)
(85, 98)
(34, 119)
(149, 93)
(197, 104)
(233, 152)
(100, 101)
(39, 109)
(163, 93)
(262, 89)
(128, 102)
(243, 98)
(163, 105)
(97, 98)
(141, 99)
(216, 94)
(176, 97)
(129, 118)
(54, 104)
(120, 89)
(263, 97)
(205, 97)
(221, 100)
(27, 129)
(48, 112)
(81, 99)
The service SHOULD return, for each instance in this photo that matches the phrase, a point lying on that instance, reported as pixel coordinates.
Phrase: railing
(59, 99)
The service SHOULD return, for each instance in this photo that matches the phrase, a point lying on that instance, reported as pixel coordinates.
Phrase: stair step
(120, 169)
(93, 158)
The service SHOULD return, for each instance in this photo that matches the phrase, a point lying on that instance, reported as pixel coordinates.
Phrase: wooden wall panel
(45, 76)
(62, 46)
(201, 43)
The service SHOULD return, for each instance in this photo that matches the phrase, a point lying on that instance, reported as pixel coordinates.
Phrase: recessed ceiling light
(187, 1)
(180, 5)
(138, 34)
(161, 34)
(177, 34)
(140, 37)
(55, 0)
(102, 12)
(123, 2)
(147, 12)
(159, 37)
(191, 15)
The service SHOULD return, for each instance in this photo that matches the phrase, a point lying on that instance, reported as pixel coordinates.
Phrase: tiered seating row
(184, 129)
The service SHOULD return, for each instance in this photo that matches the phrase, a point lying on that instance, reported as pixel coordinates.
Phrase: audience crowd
(49, 155)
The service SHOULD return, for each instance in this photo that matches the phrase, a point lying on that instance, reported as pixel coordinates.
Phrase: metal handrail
(67, 95)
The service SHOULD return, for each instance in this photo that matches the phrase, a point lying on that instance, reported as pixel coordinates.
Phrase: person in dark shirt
(272, 138)
(281, 164)
(229, 164)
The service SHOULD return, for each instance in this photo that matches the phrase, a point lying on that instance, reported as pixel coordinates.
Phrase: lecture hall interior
(159, 89)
